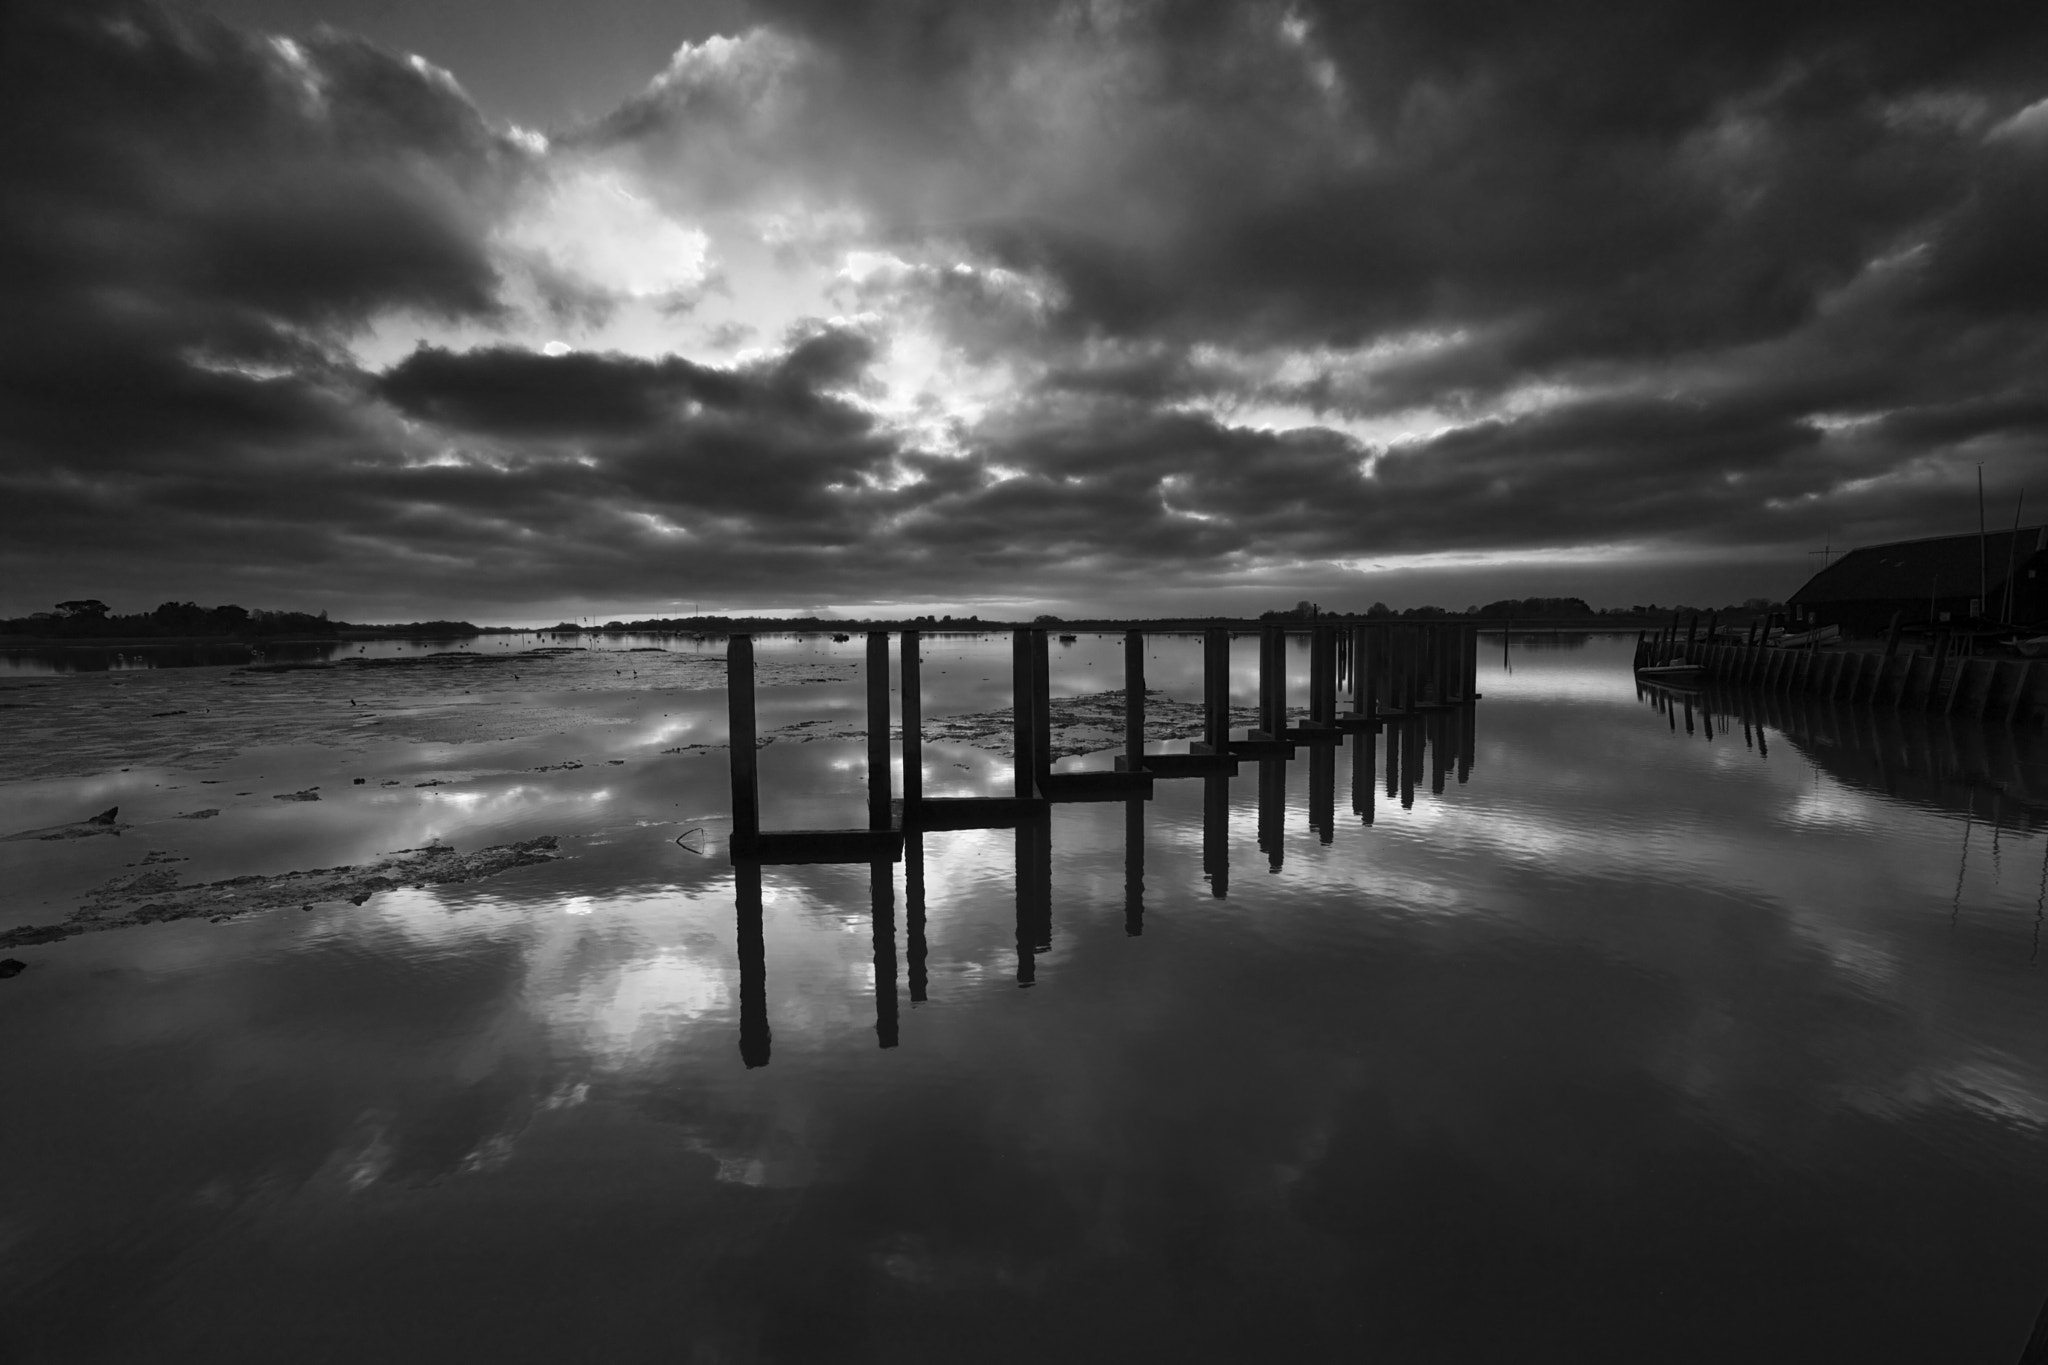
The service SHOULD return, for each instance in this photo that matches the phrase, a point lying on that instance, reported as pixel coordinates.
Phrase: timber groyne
(1939, 682)
(1361, 677)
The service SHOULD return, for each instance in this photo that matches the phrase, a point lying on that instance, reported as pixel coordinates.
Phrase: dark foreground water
(1693, 1030)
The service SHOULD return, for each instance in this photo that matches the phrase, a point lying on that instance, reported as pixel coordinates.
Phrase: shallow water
(1656, 1036)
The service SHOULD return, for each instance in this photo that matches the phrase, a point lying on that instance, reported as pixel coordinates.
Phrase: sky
(518, 312)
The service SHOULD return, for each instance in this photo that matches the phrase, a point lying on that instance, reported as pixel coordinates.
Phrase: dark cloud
(1716, 280)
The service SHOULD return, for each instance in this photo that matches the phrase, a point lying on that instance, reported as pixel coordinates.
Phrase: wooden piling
(1021, 712)
(1216, 689)
(739, 729)
(1273, 682)
(878, 729)
(1321, 692)
(911, 689)
(1134, 699)
(1041, 707)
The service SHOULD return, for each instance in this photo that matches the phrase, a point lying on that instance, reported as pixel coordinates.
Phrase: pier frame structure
(1392, 671)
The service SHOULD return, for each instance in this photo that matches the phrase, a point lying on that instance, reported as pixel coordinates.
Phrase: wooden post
(1375, 668)
(912, 704)
(1134, 699)
(1041, 705)
(744, 760)
(1272, 682)
(1320, 693)
(878, 729)
(1217, 688)
(1891, 638)
(1021, 712)
(1361, 694)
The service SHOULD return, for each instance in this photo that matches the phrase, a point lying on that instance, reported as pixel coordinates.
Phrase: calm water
(1685, 1029)
(86, 657)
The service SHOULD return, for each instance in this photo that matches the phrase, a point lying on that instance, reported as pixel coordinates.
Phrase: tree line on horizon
(88, 618)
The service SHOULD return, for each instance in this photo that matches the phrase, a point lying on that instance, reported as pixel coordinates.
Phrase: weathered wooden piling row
(1392, 671)
(1975, 687)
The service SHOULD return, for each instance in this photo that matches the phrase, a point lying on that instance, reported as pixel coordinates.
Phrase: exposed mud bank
(156, 895)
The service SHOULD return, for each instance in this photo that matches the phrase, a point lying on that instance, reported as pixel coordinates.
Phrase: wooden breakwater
(1361, 676)
(1942, 681)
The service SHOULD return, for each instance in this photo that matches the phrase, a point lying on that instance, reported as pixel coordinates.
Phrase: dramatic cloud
(1106, 305)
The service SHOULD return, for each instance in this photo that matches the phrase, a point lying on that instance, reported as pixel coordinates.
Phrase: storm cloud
(1117, 307)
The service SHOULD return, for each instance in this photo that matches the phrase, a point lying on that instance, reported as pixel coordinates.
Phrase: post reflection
(913, 897)
(1439, 757)
(1468, 740)
(1363, 763)
(1984, 771)
(1034, 896)
(882, 897)
(1411, 761)
(1216, 834)
(1273, 812)
(1419, 746)
(1393, 733)
(1134, 866)
(1322, 791)
(754, 1041)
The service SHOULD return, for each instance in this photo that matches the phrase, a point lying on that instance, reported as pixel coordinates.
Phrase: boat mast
(1983, 550)
(2012, 553)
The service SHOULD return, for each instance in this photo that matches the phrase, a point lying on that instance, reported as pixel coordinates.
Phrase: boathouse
(1934, 580)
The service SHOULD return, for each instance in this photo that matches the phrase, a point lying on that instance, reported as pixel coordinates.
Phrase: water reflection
(1984, 771)
(753, 957)
(1640, 1036)
(1134, 866)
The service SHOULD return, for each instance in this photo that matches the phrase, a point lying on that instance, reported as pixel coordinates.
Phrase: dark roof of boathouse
(1912, 570)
